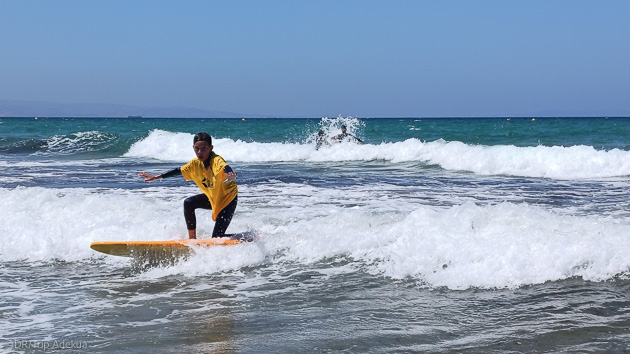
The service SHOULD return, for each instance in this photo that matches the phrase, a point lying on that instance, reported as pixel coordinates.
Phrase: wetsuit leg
(192, 203)
(224, 218)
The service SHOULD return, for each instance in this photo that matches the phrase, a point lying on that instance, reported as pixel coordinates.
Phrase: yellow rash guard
(210, 182)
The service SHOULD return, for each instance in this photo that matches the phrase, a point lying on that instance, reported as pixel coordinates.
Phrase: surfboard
(138, 249)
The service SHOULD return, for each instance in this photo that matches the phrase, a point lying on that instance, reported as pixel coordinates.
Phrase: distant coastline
(13, 108)
(40, 109)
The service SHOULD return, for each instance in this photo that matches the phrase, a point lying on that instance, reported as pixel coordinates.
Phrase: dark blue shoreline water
(356, 312)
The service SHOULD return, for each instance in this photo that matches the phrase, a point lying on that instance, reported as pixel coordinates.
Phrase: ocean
(491, 235)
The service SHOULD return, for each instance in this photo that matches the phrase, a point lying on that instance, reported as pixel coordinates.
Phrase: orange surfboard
(160, 248)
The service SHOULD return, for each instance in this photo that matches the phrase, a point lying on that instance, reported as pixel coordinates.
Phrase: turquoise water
(439, 235)
(601, 133)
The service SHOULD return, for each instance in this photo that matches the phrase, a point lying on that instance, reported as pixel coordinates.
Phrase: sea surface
(490, 235)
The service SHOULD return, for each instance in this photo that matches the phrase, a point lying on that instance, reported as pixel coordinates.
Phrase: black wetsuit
(201, 201)
(344, 135)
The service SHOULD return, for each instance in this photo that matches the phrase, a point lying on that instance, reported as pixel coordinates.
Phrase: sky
(319, 58)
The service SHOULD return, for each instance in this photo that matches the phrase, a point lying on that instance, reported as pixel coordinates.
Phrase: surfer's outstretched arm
(359, 140)
(231, 175)
(148, 178)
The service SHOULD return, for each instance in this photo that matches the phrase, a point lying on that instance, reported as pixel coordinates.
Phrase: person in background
(215, 178)
(320, 140)
(344, 134)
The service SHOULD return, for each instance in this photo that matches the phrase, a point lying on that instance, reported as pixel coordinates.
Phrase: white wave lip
(557, 162)
(163, 145)
(574, 162)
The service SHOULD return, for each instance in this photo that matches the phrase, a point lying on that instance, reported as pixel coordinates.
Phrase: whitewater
(558, 162)
(436, 235)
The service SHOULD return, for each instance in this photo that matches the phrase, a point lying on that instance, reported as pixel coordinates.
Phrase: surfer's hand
(231, 176)
(147, 177)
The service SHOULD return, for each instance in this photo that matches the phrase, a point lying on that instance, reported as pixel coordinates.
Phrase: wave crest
(557, 162)
(75, 143)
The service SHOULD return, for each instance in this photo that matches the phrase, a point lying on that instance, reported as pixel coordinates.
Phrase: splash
(331, 127)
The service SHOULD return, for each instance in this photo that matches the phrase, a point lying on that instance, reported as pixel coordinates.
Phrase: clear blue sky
(322, 58)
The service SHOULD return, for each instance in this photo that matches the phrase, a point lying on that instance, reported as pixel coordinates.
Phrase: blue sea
(489, 235)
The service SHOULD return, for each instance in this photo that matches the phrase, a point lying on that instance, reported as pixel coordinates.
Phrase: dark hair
(203, 137)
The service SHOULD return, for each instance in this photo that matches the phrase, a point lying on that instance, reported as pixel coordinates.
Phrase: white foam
(574, 162)
(497, 246)
(163, 145)
(467, 245)
(39, 224)
(504, 245)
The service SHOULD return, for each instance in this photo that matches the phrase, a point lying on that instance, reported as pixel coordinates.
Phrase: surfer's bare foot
(192, 234)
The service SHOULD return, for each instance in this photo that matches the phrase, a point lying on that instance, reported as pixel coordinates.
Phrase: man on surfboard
(215, 178)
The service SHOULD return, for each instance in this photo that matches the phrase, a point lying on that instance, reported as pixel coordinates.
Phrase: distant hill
(12, 108)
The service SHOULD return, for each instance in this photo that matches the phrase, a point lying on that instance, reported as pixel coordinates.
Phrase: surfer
(341, 137)
(215, 178)
(320, 140)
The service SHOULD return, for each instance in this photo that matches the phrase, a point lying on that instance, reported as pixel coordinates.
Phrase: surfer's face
(202, 150)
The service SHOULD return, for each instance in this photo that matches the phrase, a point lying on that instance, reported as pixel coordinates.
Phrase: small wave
(556, 162)
(27, 146)
(75, 143)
